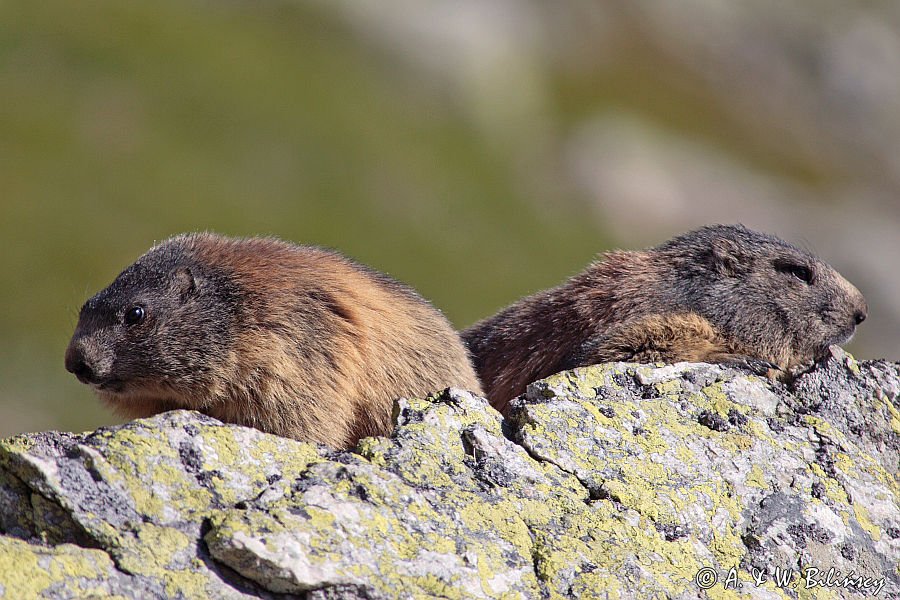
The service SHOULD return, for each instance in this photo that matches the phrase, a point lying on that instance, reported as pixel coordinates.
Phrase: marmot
(292, 340)
(722, 294)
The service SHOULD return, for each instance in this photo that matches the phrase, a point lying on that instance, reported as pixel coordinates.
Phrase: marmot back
(722, 293)
(293, 340)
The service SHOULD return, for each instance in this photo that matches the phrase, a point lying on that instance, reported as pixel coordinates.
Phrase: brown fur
(293, 340)
(719, 294)
(676, 337)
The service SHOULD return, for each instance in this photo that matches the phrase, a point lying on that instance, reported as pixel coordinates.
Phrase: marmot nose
(859, 316)
(77, 365)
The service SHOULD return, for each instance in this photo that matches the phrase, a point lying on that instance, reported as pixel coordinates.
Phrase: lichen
(32, 571)
(19, 444)
(162, 554)
(602, 480)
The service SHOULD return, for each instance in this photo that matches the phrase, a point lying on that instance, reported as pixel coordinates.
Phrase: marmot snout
(293, 340)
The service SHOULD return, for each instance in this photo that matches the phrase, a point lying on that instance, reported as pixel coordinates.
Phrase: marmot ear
(184, 282)
(727, 257)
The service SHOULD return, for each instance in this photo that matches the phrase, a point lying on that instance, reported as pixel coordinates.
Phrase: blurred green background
(476, 152)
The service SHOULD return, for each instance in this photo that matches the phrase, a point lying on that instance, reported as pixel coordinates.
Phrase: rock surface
(611, 481)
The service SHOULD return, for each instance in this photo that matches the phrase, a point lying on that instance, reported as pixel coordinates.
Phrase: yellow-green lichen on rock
(614, 481)
(140, 494)
(30, 570)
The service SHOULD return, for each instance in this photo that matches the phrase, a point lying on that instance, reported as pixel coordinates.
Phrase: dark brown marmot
(718, 294)
(293, 340)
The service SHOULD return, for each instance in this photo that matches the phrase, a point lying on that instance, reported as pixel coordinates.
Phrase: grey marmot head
(162, 325)
(763, 291)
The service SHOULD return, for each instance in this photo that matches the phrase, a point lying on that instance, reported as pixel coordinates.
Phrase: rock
(616, 480)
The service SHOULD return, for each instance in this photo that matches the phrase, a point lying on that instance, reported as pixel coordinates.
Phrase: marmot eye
(134, 315)
(801, 272)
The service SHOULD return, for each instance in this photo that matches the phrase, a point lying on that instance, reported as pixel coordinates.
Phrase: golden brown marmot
(293, 340)
(722, 294)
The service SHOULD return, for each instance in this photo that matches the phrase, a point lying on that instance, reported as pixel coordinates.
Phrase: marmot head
(763, 291)
(158, 331)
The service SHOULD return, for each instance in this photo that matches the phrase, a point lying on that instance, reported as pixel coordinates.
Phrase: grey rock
(616, 480)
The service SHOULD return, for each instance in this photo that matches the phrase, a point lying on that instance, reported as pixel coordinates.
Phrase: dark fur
(293, 340)
(718, 294)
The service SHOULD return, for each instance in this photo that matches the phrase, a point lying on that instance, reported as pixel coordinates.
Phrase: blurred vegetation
(125, 122)
(476, 151)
